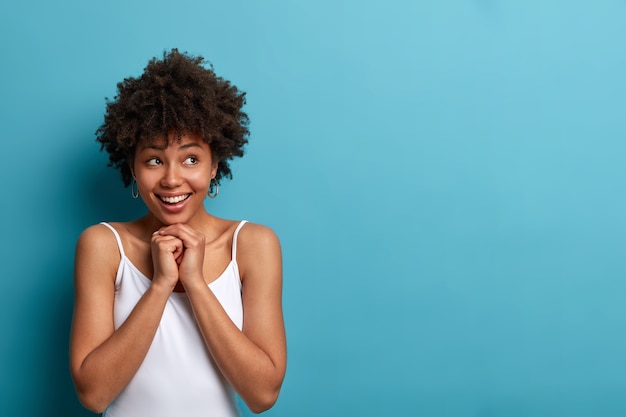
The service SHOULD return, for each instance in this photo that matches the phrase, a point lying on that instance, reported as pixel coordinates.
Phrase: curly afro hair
(174, 94)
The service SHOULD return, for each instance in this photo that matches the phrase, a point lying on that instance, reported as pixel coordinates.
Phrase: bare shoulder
(96, 248)
(257, 245)
(256, 236)
(98, 237)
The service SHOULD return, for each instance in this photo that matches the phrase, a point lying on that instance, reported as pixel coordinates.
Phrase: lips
(174, 199)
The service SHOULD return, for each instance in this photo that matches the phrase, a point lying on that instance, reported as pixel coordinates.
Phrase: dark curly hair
(174, 94)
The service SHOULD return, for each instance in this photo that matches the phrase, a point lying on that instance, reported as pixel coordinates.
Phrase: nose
(171, 177)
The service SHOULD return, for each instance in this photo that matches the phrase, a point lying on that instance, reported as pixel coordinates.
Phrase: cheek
(146, 177)
(200, 179)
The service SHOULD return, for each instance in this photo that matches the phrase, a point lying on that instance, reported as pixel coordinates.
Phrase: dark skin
(137, 246)
(181, 247)
(174, 94)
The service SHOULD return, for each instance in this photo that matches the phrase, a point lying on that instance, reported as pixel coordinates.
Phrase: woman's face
(173, 177)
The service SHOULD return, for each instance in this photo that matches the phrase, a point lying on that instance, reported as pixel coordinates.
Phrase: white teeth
(174, 200)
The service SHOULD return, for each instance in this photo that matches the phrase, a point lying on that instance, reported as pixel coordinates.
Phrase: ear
(214, 169)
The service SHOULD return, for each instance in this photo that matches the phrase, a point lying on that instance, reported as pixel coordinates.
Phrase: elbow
(263, 401)
(265, 394)
(259, 407)
(98, 409)
(94, 396)
(91, 398)
(92, 403)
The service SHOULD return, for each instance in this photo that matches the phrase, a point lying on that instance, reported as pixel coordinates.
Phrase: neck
(200, 222)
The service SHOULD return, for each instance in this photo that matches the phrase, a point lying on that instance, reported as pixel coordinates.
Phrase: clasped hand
(177, 255)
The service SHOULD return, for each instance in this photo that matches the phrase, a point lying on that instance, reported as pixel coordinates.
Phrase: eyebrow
(189, 145)
(181, 147)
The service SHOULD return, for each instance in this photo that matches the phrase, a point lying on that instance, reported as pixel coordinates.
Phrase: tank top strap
(234, 250)
(117, 237)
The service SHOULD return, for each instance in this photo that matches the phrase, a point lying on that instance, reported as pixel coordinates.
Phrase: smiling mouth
(174, 200)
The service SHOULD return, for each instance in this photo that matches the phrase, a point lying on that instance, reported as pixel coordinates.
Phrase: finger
(190, 237)
(168, 244)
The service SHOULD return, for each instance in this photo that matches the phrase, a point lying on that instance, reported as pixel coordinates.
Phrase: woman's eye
(192, 160)
(153, 161)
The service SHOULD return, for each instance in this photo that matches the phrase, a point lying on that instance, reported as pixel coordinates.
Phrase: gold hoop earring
(133, 184)
(214, 189)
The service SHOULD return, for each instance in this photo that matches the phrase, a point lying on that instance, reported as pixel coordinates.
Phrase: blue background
(446, 178)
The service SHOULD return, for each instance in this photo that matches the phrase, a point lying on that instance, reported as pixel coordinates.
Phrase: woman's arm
(103, 360)
(253, 360)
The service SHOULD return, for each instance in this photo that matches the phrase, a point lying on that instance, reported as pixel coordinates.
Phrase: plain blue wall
(446, 177)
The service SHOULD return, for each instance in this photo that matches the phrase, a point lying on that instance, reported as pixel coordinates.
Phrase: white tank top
(178, 376)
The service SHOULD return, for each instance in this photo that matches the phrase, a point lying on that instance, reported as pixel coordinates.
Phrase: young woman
(177, 309)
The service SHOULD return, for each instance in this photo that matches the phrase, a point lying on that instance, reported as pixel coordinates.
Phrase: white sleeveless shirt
(178, 376)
